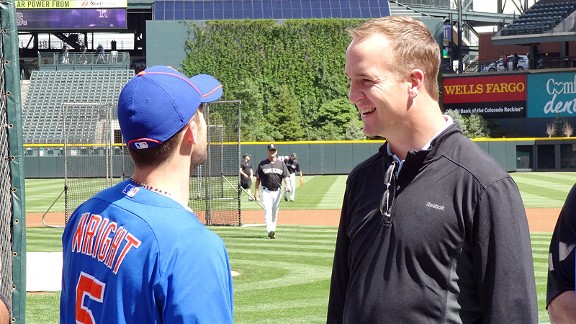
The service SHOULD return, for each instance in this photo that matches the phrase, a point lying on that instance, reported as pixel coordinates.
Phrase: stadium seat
(42, 112)
(542, 17)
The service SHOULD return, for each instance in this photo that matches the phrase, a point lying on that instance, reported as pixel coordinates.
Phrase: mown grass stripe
(299, 303)
(556, 177)
(334, 193)
(317, 248)
(546, 185)
(292, 273)
(532, 200)
(550, 189)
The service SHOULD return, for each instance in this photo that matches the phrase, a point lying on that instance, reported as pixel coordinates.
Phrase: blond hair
(412, 47)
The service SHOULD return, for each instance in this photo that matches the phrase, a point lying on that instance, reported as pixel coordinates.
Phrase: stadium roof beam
(473, 18)
(534, 38)
(521, 7)
(140, 4)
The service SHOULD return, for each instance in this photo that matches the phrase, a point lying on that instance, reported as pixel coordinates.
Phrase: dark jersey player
(246, 174)
(293, 168)
(270, 173)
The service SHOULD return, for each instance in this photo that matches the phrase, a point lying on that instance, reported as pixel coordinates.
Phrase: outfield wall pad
(338, 157)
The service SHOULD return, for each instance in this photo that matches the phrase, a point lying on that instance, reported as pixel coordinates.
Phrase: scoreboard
(50, 15)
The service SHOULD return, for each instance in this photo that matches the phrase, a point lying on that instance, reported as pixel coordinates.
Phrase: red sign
(497, 88)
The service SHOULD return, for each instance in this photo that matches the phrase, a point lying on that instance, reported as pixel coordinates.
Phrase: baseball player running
(271, 171)
(135, 252)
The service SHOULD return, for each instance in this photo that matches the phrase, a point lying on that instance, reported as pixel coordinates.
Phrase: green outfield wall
(338, 157)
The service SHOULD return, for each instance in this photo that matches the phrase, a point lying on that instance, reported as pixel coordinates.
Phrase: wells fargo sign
(497, 96)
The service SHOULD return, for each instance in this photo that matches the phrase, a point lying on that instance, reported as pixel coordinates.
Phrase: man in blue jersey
(135, 252)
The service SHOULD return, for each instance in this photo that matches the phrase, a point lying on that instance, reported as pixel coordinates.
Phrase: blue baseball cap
(159, 101)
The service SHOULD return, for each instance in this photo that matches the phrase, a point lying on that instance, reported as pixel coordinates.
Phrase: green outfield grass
(287, 280)
(540, 244)
(281, 281)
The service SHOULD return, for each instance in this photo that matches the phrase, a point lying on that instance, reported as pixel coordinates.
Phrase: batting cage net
(214, 185)
(94, 158)
(12, 197)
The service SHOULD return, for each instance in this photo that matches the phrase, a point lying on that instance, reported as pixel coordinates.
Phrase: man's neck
(417, 132)
(170, 178)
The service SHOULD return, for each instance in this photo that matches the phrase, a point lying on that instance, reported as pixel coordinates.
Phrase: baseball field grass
(287, 280)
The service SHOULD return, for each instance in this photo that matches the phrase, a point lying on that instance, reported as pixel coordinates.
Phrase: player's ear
(416, 82)
(190, 133)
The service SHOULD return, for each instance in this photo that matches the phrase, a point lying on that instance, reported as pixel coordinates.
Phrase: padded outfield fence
(12, 209)
(5, 201)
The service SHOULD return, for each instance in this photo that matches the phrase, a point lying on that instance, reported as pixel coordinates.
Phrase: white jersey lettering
(99, 238)
(272, 170)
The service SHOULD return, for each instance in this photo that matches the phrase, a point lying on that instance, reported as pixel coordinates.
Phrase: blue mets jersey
(134, 256)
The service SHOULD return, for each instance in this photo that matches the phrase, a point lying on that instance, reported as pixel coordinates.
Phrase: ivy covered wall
(289, 75)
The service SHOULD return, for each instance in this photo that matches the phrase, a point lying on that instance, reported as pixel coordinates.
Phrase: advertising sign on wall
(552, 95)
(64, 4)
(55, 19)
(502, 96)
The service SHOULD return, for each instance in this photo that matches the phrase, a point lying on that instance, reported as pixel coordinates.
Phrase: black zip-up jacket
(561, 252)
(457, 248)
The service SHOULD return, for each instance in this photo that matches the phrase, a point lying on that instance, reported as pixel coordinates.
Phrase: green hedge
(289, 75)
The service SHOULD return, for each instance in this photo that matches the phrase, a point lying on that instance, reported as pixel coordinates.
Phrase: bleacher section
(542, 17)
(42, 111)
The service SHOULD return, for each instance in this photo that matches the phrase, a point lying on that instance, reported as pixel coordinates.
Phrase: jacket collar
(417, 160)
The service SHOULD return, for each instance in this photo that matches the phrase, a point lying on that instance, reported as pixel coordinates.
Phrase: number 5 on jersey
(93, 289)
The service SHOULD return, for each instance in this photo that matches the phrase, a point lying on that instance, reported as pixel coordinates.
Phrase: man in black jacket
(432, 229)
(560, 298)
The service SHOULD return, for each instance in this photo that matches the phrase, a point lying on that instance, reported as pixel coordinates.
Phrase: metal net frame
(215, 184)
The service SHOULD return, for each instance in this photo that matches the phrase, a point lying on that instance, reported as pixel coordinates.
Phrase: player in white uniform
(293, 168)
(270, 173)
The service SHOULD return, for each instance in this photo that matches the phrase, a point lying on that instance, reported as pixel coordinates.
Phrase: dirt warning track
(539, 219)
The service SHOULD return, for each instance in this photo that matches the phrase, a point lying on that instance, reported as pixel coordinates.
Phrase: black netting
(214, 185)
